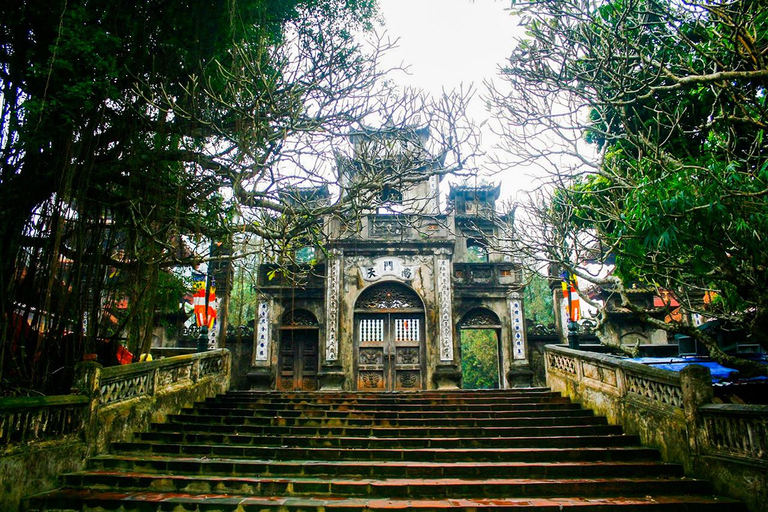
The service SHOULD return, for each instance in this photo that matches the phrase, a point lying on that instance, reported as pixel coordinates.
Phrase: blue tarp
(719, 372)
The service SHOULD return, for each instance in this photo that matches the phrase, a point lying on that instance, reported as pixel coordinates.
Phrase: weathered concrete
(44, 437)
(426, 450)
(673, 413)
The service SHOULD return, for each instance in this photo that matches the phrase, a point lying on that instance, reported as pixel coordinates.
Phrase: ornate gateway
(389, 339)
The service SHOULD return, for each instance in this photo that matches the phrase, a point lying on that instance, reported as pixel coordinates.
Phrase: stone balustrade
(43, 437)
(735, 431)
(41, 418)
(673, 412)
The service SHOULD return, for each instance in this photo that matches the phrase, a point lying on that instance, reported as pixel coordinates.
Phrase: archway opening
(389, 338)
(481, 357)
(298, 360)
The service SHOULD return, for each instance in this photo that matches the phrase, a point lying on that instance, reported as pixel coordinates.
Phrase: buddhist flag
(575, 307)
(211, 313)
(198, 298)
(571, 294)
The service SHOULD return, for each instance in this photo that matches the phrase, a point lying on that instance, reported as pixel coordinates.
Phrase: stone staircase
(347, 451)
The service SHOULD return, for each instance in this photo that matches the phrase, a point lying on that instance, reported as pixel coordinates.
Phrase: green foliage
(673, 96)
(537, 298)
(479, 359)
(118, 120)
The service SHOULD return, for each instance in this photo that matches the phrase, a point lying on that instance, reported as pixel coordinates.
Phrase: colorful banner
(203, 317)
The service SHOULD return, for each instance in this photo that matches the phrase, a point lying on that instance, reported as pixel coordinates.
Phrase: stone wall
(43, 437)
(725, 444)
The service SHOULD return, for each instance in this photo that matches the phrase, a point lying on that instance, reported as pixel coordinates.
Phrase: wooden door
(390, 352)
(298, 360)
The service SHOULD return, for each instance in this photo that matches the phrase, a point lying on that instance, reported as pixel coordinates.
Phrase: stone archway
(480, 349)
(298, 352)
(389, 338)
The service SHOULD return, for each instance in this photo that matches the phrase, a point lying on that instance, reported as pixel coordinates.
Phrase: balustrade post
(195, 371)
(87, 382)
(696, 382)
(87, 377)
(155, 379)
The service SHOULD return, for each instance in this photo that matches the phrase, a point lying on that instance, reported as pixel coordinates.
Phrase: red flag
(211, 316)
(575, 312)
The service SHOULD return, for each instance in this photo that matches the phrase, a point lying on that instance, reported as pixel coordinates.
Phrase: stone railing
(128, 398)
(43, 418)
(43, 437)
(736, 431)
(673, 412)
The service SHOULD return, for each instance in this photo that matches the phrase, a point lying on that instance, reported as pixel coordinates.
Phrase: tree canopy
(130, 132)
(650, 116)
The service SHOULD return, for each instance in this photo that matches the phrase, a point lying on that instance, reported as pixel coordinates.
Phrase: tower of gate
(400, 278)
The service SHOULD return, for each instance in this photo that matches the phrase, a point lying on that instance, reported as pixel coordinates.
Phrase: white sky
(449, 42)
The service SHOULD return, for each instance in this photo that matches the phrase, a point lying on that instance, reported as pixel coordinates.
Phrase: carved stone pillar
(260, 375)
(331, 376)
(445, 309)
(447, 374)
(519, 374)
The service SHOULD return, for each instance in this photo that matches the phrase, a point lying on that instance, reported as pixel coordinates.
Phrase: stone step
(382, 414)
(442, 395)
(327, 452)
(386, 469)
(411, 401)
(568, 417)
(541, 439)
(614, 448)
(354, 407)
(383, 488)
(90, 500)
(540, 430)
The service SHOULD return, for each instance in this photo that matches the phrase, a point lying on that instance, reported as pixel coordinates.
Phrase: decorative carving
(388, 296)
(309, 384)
(563, 363)
(299, 317)
(211, 366)
(480, 317)
(287, 363)
(736, 433)
(387, 226)
(42, 422)
(370, 379)
(310, 363)
(445, 301)
(371, 329)
(407, 355)
(408, 379)
(286, 383)
(371, 356)
(332, 306)
(407, 330)
(669, 394)
(262, 332)
(125, 388)
(518, 326)
(173, 374)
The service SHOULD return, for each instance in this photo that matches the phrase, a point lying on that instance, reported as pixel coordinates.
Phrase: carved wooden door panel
(372, 353)
(389, 352)
(406, 354)
(298, 360)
